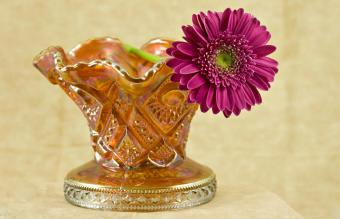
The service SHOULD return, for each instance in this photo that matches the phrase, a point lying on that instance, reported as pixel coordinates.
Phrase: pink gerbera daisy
(223, 62)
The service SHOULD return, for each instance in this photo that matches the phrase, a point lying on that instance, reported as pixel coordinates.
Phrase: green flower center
(224, 60)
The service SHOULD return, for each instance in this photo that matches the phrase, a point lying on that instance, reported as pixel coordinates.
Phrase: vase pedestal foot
(142, 189)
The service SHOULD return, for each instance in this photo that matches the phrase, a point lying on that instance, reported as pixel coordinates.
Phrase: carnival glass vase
(139, 123)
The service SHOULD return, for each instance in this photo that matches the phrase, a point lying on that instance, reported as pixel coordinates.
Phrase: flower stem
(145, 55)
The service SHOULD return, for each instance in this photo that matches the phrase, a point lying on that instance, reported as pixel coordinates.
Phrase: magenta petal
(184, 80)
(172, 63)
(238, 14)
(230, 102)
(187, 49)
(213, 23)
(182, 87)
(264, 72)
(260, 29)
(275, 69)
(204, 108)
(202, 93)
(209, 28)
(227, 113)
(178, 68)
(231, 22)
(236, 111)
(256, 93)
(258, 82)
(175, 77)
(215, 109)
(175, 44)
(178, 54)
(193, 36)
(242, 23)
(190, 99)
(221, 98)
(239, 101)
(260, 39)
(198, 24)
(224, 98)
(170, 51)
(214, 17)
(196, 81)
(225, 19)
(248, 101)
(248, 93)
(255, 24)
(192, 95)
(266, 62)
(189, 69)
(241, 97)
(264, 50)
(248, 23)
(210, 96)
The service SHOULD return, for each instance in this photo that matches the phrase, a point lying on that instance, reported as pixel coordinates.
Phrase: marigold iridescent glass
(139, 123)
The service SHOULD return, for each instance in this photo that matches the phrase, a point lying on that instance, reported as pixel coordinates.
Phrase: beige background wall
(289, 145)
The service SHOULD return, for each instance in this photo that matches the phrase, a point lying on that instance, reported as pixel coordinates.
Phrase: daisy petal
(178, 54)
(259, 83)
(175, 77)
(202, 93)
(236, 111)
(261, 38)
(213, 23)
(204, 108)
(242, 23)
(178, 68)
(264, 72)
(219, 98)
(189, 69)
(184, 80)
(192, 95)
(254, 25)
(230, 98)
(264, 50)
(187, 49)
(231, 22)
(210, 96)
(170, 51)
(198, 24)
(215, 109)
(196, 81)
(266, 62)
(210, 29)
(225, 19)
(182, 87)
(193, 36)
(247, 25)
(227, 113)
(239, 99)
(249, 95)
(224, 98)
(256, 93)
(172, 63)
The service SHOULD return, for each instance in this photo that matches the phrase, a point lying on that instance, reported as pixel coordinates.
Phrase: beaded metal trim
(127, 199)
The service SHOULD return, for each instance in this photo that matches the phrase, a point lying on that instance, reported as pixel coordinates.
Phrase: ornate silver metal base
(136, 198)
